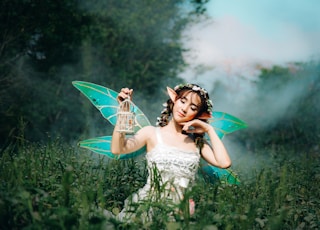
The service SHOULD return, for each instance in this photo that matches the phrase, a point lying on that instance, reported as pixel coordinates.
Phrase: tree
(47, 44)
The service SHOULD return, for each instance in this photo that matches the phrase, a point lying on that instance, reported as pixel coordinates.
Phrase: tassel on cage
(126, 117)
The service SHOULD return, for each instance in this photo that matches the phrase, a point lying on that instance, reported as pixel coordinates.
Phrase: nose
(184, 108)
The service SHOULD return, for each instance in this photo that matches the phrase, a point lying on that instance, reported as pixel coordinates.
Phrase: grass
(55, 186)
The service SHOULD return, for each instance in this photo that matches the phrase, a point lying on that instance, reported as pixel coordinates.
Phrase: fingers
(194, 126)
(124, 93)
(194, 130)
(189, 128)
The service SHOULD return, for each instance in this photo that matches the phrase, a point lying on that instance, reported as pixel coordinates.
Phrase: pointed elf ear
(204, 116)
(172, 94)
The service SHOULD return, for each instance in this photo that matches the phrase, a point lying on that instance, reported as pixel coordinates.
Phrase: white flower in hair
(196, 88)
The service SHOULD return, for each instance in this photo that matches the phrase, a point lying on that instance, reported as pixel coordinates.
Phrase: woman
(174, 147)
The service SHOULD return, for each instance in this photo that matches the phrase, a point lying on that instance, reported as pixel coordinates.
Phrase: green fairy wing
(102, 145)
(212, 173)
(105, 100)
(223, 123)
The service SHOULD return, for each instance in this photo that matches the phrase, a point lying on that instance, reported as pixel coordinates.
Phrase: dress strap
(159, 138)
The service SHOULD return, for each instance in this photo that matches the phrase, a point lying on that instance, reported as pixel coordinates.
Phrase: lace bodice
(174, 165)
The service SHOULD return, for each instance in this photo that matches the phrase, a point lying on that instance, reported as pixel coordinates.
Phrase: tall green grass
(55, 186)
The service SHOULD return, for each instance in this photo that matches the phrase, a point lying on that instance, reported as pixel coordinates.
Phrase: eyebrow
(184, 97)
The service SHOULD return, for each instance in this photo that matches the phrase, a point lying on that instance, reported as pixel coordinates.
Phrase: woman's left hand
(195, 126)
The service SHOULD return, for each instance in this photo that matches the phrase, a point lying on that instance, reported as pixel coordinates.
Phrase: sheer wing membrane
(102, 146)
(223, 124)
(212, 173)
(104, 99)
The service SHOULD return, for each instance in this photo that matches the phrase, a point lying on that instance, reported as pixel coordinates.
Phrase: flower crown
(199, 90)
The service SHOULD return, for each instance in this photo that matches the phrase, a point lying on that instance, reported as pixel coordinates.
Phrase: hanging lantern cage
(126, 116)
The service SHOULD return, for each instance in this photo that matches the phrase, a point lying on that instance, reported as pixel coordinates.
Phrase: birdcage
(126, 117)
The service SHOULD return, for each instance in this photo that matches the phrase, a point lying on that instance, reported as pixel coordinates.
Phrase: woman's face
(186, 107)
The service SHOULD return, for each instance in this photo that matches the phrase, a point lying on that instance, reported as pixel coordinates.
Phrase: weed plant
(55, 186)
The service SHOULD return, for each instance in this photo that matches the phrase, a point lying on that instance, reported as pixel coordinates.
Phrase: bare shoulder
(146, 132)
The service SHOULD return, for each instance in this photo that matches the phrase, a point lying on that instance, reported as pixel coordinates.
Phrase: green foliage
(47, 44)
(55, 186)
(143, 44)
(48, 31)
(37, 38)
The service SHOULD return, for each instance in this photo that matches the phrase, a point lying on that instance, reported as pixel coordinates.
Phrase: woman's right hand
(124, 94)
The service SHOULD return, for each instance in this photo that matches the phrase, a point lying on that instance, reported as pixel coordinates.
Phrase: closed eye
(194, 107)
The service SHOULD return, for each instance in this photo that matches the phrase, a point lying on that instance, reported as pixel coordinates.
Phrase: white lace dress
(177, 169)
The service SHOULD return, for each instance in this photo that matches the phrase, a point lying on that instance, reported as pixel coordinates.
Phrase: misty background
(235, 47)
(148, 45)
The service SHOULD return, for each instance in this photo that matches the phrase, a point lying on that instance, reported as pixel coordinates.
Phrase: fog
(235, 88)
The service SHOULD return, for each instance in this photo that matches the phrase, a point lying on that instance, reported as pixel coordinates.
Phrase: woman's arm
(216, 153)
(119, 143)
(122, 145)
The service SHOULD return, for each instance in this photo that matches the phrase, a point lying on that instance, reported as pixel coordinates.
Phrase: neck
(177, 127)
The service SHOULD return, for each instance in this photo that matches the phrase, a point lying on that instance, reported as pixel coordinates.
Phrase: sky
(242, 34)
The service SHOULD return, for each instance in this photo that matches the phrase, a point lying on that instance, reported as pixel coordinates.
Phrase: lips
(181, 114)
